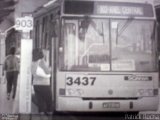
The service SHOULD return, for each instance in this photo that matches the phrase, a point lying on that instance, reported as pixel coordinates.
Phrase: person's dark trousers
(12, 81)
(44, 98)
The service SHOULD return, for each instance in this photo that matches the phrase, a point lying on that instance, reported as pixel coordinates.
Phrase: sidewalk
(8, 106)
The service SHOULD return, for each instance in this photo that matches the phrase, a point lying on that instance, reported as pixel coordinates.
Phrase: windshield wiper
(103, 33)
(154, 31)
(123, 28)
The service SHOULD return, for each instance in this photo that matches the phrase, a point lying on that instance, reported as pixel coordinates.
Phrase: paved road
(107, 116)
(76, 117)
(8, 106)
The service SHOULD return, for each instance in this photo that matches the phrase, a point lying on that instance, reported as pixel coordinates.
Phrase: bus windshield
(108, 45)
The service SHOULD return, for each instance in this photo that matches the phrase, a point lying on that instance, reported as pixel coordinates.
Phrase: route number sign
(24, 23)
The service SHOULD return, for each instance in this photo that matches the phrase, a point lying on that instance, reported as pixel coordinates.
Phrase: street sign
(24, 23)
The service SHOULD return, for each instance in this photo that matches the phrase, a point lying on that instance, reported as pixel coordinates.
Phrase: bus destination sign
(120, 10)
(124, 9)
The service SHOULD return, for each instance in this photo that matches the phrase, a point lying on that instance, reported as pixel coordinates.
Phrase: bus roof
(52, 2)
(131, 1)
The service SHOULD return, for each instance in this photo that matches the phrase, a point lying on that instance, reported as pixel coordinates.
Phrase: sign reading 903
(80, 80)
(24, 23)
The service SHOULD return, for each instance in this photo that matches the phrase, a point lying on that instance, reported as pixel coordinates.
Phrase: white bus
(103, 54)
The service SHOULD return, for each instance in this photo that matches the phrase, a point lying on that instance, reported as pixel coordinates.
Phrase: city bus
(103, 54)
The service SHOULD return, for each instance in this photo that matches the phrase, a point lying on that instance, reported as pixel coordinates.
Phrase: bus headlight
(74, 92)
(145, 92)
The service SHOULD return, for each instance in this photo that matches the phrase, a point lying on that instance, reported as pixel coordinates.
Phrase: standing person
(11, 67)
(41, 83)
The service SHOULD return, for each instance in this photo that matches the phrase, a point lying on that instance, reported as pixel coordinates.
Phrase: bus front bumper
(73, 104)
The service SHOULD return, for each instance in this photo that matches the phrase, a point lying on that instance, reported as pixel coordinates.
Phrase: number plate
(111, 105)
